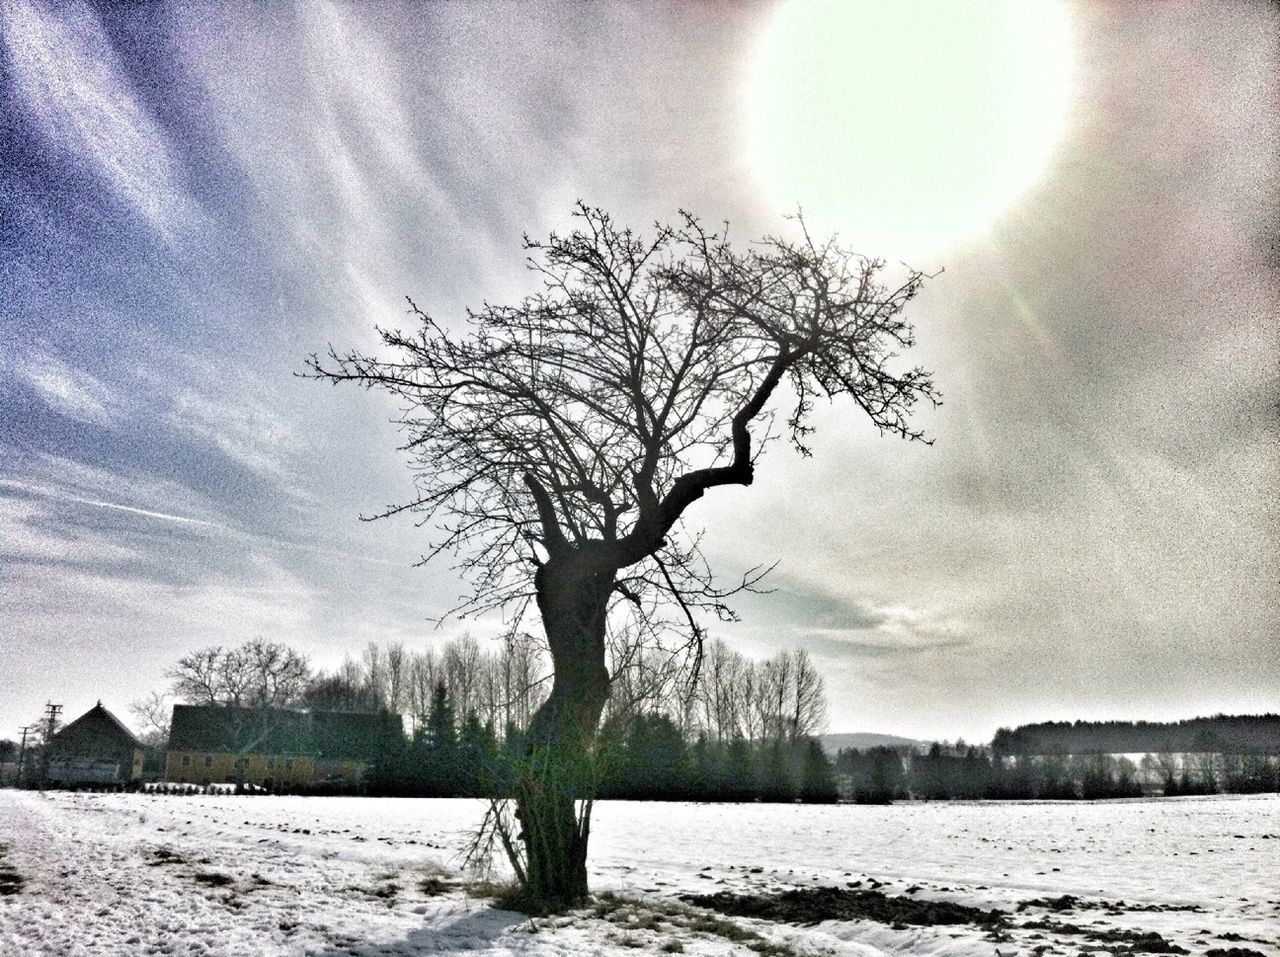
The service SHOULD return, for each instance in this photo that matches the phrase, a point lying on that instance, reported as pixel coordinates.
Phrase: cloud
(71, 392)
(67, 76)
(57, 513)
(819, 609)
(842, 647)
(841, 627)
(226, 410)
(133, 510)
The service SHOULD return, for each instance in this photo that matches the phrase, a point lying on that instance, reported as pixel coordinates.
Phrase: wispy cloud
(227, 410)
(889, 631)
(70, 391)
(67, 76)
(133, 510)
(60, 478)
(844, 644)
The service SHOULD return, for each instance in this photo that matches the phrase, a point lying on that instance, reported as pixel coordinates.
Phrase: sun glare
(908, 126)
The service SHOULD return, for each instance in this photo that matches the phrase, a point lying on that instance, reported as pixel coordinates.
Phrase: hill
(833, 743)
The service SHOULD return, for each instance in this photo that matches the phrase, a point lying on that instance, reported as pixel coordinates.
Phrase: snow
(225, 875)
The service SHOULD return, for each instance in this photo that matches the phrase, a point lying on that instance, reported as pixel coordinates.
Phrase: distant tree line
(743, 731)
(656, 744)
(1222, 734)
(644, 756)
(651, 759)
(881, 775)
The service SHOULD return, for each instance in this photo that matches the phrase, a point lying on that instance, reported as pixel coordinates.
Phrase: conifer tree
(818, 776)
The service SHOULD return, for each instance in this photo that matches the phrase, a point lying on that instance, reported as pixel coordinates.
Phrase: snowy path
(144, 874)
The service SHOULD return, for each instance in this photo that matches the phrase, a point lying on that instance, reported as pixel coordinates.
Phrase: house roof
(98, 721)
(225, 728)
(331, 735)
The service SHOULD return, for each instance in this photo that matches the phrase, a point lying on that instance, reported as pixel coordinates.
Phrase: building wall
(85, 771)
(350, 771)
(83, 752)
(198, 767)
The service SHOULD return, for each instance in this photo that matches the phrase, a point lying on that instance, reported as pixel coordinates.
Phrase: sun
(908, 126)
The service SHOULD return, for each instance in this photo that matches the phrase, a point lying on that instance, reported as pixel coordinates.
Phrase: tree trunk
(558, 771)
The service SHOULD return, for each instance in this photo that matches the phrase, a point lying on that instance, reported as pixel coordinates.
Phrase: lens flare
(908, 127)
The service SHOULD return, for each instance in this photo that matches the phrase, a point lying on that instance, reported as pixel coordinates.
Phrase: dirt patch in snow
(11, 882)
(212, 878)
(1128, 941)
(1070, 902)
(650, 925)
(162, 856)
(812, 905)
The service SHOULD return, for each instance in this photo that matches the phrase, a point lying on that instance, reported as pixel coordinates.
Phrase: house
(95, 749)
(272, 747)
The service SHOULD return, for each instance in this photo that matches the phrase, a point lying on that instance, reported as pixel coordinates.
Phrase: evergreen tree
(777, 776)
(927, 776)
(655, 761)
(818, 776)
(387, 770)
(739, 772)
(435, 753)
(476, 756)
(705, 781)
(1098, 782)
(887, 778)
(441, 722)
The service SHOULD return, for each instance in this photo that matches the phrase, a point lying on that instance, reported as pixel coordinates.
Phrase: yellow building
(215, 767)
(272, 747)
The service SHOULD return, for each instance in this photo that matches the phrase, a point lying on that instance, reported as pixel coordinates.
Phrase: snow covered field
(224, 875)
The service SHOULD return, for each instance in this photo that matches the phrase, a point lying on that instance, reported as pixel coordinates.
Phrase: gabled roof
(101, 720)
(224, 728)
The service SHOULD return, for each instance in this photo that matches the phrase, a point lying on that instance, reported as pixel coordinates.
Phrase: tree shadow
(478, 930)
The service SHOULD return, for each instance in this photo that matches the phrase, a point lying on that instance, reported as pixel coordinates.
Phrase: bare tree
(726, 689)
(645, 678)
(339, 691)
(154, 714)
(375, 672)
(236, 672)
(257, 674)
(197, 677)
(775, 687)
(462, 662)
(424, 674)
(397, 676)
(559, 445)
(523, 673)
(278, 675)
(809, 697)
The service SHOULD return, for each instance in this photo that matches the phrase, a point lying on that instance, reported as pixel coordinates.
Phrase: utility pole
(22, 753)
(51, 712)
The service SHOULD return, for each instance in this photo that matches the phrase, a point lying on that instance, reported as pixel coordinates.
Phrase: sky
(194, 197)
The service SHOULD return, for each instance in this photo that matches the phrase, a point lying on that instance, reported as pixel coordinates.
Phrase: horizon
(130, 721)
